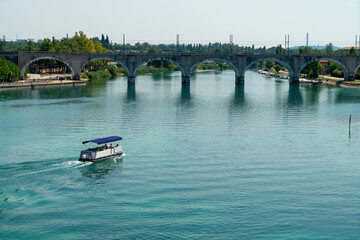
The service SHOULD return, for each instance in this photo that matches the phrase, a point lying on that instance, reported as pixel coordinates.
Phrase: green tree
(352, 51)
(305, 50)
(269, 64)
(313, 69)
(9, 71)
(30, 45)
(153, 49)
(46, 45)
(329, 48)
(277, 67)
(156, 63)
(279, 49)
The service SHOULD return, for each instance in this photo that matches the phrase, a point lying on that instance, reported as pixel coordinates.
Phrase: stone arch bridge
(186, 61)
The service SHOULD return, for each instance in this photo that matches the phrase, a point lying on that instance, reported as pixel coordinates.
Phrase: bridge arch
(291, 70)
(159, 58)
(236, 70)
(104, 58)
(345, 70)
(22, 72)
(356, 69)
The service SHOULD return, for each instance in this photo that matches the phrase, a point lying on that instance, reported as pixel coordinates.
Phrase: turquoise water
(206, 161)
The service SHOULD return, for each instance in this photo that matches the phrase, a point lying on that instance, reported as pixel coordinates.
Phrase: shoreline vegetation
(41, 80)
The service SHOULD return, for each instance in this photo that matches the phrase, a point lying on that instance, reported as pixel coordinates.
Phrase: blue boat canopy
(104, 140)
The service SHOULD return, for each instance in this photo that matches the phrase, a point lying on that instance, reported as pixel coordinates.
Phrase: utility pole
(288, 44)
(67, 43)
(177, 41)
(307, 39)
(124, 42)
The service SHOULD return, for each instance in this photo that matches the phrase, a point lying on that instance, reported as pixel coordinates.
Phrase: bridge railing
(131, 53)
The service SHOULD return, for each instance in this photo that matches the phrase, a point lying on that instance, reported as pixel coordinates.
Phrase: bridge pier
(185, 80)
(76, 76)
(294, 80)
(239, 80)
(350, 77)
(131, 80)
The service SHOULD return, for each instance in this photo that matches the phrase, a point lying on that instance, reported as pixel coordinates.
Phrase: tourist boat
(102, 152)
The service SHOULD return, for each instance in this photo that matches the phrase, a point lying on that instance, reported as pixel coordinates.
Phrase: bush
(357, 75)
(9, 71)
(97, 74)
(312, 69)
(112, 69)
(337, 73)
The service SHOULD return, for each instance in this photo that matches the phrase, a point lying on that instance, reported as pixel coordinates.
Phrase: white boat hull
(100, 154)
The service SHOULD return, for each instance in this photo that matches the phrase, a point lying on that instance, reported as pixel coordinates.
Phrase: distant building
(21, 40)
(325, 64)
(208, 62)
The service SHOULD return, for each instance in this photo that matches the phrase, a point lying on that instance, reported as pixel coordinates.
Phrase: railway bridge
(240, 62)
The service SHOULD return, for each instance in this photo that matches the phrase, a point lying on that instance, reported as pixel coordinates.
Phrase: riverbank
(39, 83)
(329, 80)
(340, 82)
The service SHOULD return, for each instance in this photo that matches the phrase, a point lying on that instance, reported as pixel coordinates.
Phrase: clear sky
(259, 22)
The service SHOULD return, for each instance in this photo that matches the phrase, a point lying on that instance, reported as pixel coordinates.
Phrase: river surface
(205, 161)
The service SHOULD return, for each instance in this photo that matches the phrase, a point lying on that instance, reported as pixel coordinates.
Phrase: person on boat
(106, 146)
(111, 146)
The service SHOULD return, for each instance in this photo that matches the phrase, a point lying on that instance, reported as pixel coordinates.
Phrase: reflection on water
(239, 96)
(294, 96)
(98, 171)
(313, 93)
(131, 93)
(344, 95)
(205, 159)
(185, 92)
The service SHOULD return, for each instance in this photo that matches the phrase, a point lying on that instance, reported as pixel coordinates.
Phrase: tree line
(80, 43)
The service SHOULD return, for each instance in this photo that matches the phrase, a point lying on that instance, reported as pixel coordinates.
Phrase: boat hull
(100, 158)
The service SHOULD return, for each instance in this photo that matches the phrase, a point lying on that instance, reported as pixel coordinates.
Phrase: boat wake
(25, 169)
(75, 164)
